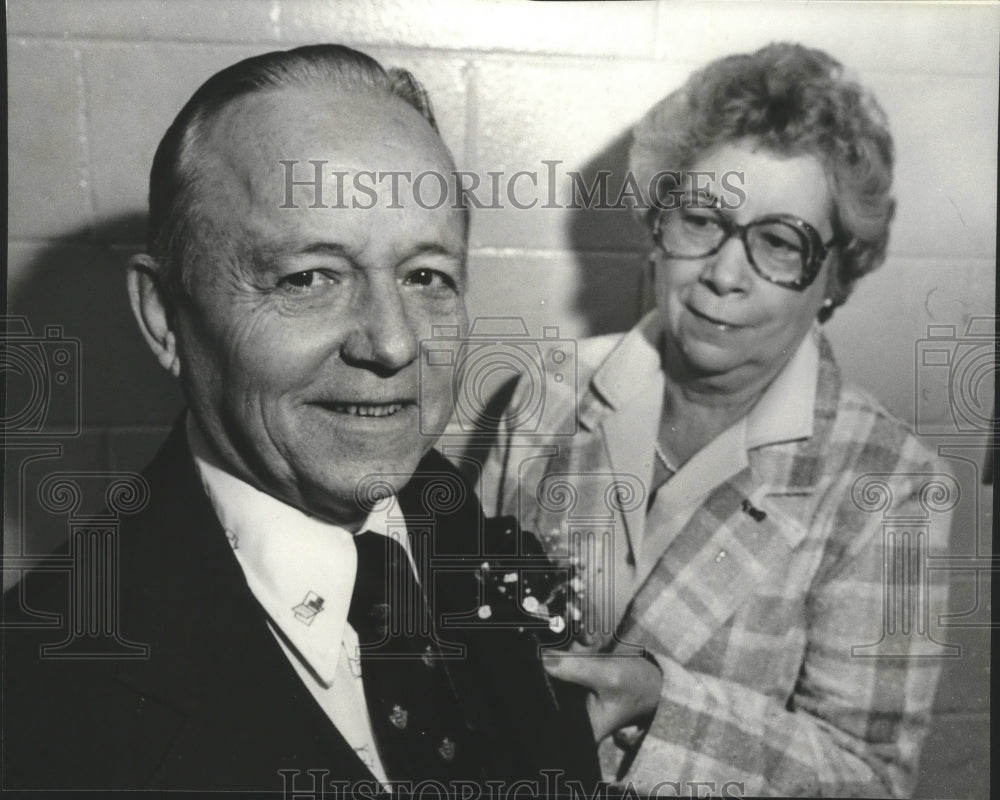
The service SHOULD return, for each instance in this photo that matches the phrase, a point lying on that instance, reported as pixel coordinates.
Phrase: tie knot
(386, 597)
(375, 550)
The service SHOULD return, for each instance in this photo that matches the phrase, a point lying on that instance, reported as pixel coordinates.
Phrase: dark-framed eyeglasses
(781, 248)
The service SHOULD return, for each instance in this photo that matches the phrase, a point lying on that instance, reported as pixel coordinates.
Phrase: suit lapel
(242, 711)
(498, 678)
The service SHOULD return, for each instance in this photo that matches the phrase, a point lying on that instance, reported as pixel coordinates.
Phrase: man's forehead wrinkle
(243, 180)
(306, 125)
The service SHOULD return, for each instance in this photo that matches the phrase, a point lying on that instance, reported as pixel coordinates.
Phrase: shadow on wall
(78, 284)
(608, 242)
(77, 372)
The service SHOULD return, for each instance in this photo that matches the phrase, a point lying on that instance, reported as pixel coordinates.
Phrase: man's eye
(431, 278)
(307, 279)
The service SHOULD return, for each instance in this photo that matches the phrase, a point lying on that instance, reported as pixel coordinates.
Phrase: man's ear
(151, 305)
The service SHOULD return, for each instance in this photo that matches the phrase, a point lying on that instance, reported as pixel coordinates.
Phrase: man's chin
(360, 484)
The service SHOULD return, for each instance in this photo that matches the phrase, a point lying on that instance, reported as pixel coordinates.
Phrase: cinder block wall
(94, 83)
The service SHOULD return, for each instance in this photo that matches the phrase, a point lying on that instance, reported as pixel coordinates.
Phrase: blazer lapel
(623, 402)
(629, 434)
(744, 531)
(729, 546)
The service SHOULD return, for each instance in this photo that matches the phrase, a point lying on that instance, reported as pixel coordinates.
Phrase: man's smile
(369, 409)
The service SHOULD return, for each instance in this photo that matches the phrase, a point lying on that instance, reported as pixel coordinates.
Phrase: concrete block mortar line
(550, 253)
(524, 56)
(964, 717)
(82, 123)
(469, 76)
(659, 50)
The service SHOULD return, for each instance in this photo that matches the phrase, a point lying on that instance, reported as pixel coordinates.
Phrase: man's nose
(728, 270)
(383, 337)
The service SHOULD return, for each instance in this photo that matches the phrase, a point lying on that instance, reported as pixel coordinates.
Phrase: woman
(741, 546)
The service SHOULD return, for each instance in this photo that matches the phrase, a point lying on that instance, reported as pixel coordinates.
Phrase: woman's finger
(592, 672)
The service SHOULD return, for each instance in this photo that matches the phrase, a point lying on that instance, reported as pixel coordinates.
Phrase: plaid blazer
(790, 615)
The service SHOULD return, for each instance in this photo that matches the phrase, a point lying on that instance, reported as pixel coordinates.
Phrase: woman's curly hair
(790, 100)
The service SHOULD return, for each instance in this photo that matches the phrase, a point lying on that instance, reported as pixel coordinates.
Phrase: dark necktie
(415, 714)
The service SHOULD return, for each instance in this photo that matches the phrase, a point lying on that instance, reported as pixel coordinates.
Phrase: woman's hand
(624, 689)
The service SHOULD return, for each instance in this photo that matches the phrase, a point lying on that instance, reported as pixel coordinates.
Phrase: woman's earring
(649, 283)
(828, 303)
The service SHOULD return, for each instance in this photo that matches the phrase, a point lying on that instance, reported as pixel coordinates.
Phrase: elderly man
(289, 298)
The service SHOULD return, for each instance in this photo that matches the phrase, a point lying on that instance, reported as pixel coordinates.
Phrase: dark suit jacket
(216, 704)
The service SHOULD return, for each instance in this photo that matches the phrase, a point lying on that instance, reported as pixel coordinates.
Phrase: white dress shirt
(301, 570)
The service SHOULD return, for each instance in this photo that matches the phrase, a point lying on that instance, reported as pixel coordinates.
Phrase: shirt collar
(783, 413)
(300, 568)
